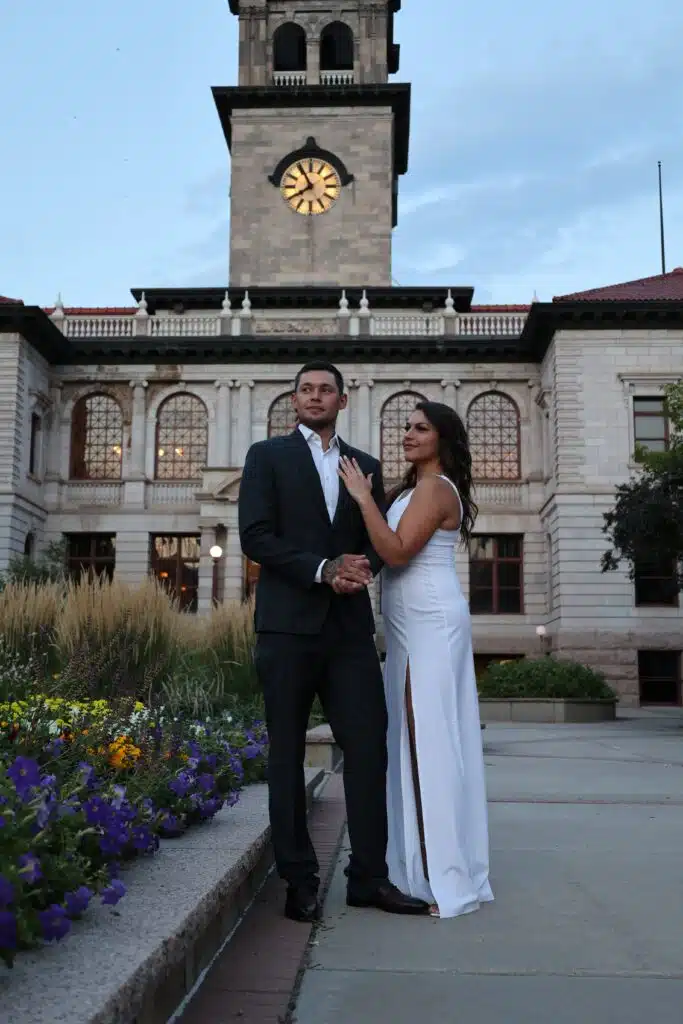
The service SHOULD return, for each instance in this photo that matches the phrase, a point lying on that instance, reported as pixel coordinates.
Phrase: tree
(645, 527)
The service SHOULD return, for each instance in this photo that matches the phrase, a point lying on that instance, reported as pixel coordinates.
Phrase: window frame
(35, 445)
(495, 562)
(159, 425)
(658, 678)
(106, 563)
(663, 415)
(641, 579)
(175, 589)
(511, 402)
(79, 440)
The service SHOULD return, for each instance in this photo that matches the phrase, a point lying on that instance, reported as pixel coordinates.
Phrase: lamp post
(216, 552)
(543, 639)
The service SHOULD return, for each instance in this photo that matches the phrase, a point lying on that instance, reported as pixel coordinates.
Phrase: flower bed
(86, 786)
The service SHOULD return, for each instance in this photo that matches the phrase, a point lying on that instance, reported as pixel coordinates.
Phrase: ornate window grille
(281, 416)
(395, 415)
(494, 436)
(96, 438)
(182, 438)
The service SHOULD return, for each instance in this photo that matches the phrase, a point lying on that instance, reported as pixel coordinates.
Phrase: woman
(438, 830)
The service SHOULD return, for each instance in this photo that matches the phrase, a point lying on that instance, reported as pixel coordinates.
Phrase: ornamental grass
(96, 638)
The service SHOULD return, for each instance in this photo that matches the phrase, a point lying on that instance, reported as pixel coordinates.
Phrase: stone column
(364, 419)
(222, 426)
(244, 422)
(53, 460)
(205, 583)
(138, 434)
(450, 393)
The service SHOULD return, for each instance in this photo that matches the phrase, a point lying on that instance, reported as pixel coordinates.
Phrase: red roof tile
(500, 309)
(660, 288)
(93, 310)
(15, 302)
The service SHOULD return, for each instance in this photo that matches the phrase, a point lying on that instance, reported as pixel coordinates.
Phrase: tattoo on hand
(331, 568)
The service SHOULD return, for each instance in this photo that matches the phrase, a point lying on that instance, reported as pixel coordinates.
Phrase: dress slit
(410, 718)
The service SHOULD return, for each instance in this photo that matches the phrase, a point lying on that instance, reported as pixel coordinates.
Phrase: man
(315, 634)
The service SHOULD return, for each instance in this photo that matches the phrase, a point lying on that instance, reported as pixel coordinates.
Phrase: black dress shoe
(388, 898)
(302, 904)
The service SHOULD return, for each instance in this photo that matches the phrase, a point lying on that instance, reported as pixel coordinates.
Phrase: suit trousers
(341, 666)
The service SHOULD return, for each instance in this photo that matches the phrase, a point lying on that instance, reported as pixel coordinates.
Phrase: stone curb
(135, 963)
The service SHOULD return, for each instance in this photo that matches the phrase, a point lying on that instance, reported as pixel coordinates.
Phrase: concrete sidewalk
(587, 870)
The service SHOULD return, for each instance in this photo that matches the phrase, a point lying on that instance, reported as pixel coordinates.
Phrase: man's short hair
(320, 365)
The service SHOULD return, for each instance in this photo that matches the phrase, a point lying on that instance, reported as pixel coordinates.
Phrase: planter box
(529, 709)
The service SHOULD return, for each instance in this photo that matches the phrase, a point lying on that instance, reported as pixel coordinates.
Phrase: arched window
(289, 48)
(281, 416)
(29, 545)
(96, 438)
(395, 415)
(182, 438)
(493, 430)
(336, 47)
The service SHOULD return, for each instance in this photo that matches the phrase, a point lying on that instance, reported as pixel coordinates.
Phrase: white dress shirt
(327, 465)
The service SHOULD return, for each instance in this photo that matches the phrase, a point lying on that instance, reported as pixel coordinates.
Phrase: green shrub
(543, 679)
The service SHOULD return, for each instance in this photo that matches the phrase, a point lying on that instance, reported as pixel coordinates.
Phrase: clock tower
(318, 137)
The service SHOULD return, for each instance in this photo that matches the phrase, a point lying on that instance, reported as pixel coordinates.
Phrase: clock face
(310, 186)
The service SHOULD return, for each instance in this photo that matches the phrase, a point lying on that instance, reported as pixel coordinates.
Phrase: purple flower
(251, 750)
(144, 840)
(6, 892)
(119, 797)
(29, 867)
(96, 810)
(88, 774)
(54, 747)
(8, 930)
(170, 824)
(54, 923)
(113, 893)
(77, 902)
(25, 774)
(181, 785)
(206, 783)
(114, 841)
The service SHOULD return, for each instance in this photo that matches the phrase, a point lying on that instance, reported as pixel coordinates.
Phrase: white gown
(427, 626)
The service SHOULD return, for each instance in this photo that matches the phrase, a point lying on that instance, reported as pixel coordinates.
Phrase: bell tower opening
(336, 47)
(289, 48)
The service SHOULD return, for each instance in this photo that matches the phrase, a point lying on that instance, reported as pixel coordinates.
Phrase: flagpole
(661, 217)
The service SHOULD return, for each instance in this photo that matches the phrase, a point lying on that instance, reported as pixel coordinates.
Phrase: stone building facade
(125, 430)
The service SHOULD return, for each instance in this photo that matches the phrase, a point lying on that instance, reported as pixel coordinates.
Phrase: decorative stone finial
(364, 310)
(246, 305)
(226, 305)
(142, 306)
(58, 312)
(344, 304)
(450, 304)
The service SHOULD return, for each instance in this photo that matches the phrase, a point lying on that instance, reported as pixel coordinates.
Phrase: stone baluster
(245, 321)
(226, 316)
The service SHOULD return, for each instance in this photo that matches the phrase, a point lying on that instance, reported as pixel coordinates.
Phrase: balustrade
(291, 78)
(408, 325)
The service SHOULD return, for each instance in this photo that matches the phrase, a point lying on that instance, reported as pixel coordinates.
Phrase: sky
(536, 131)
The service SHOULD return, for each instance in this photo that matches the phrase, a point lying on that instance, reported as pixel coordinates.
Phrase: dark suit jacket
(285, 527)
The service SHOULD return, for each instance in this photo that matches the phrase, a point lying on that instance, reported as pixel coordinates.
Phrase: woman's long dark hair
(455, 459)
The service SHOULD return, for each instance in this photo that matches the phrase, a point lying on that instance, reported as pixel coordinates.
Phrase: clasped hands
(347, 574)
